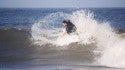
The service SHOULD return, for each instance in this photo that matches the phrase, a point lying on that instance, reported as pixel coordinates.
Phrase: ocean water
(31, 39)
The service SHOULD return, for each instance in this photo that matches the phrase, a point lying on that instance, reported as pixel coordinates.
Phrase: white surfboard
(67, 39)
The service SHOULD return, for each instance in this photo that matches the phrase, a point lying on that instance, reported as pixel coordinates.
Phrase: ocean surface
(31, 39)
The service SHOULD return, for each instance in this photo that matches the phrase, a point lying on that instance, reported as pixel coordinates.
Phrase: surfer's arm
(65, 33)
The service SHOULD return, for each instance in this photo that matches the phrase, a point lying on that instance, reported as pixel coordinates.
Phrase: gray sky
(62, 3)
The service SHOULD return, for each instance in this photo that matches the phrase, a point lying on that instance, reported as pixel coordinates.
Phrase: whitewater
(109, 45)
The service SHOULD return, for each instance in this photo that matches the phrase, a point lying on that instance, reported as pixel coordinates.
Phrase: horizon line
(62, 7)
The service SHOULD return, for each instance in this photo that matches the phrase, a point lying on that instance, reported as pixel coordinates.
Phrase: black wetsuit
(70, 28)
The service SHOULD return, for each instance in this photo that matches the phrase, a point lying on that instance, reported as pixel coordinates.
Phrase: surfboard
(67, 39)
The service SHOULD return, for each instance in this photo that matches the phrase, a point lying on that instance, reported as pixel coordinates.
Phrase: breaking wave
(110, 45)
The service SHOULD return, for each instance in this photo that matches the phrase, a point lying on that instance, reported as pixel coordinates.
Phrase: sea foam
(110, 46)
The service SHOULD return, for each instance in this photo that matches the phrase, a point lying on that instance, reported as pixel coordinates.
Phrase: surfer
(70, 27)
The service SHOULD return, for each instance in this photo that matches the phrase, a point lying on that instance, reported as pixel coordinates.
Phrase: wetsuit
(70, 28)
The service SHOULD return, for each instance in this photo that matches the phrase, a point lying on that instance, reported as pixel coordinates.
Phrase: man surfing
(69, 36)
(70, 27)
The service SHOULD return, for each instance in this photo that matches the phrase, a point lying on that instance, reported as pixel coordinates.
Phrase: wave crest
(89, 31)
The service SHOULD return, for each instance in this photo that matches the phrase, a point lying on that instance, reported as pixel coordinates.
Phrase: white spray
(89, 31)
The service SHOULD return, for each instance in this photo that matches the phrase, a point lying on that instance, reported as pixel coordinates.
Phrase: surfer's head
(66, 22)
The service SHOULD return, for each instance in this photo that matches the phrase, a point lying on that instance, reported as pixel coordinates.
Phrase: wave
(94, 38)
(110, 46)
(17, 50)
(13, 37)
